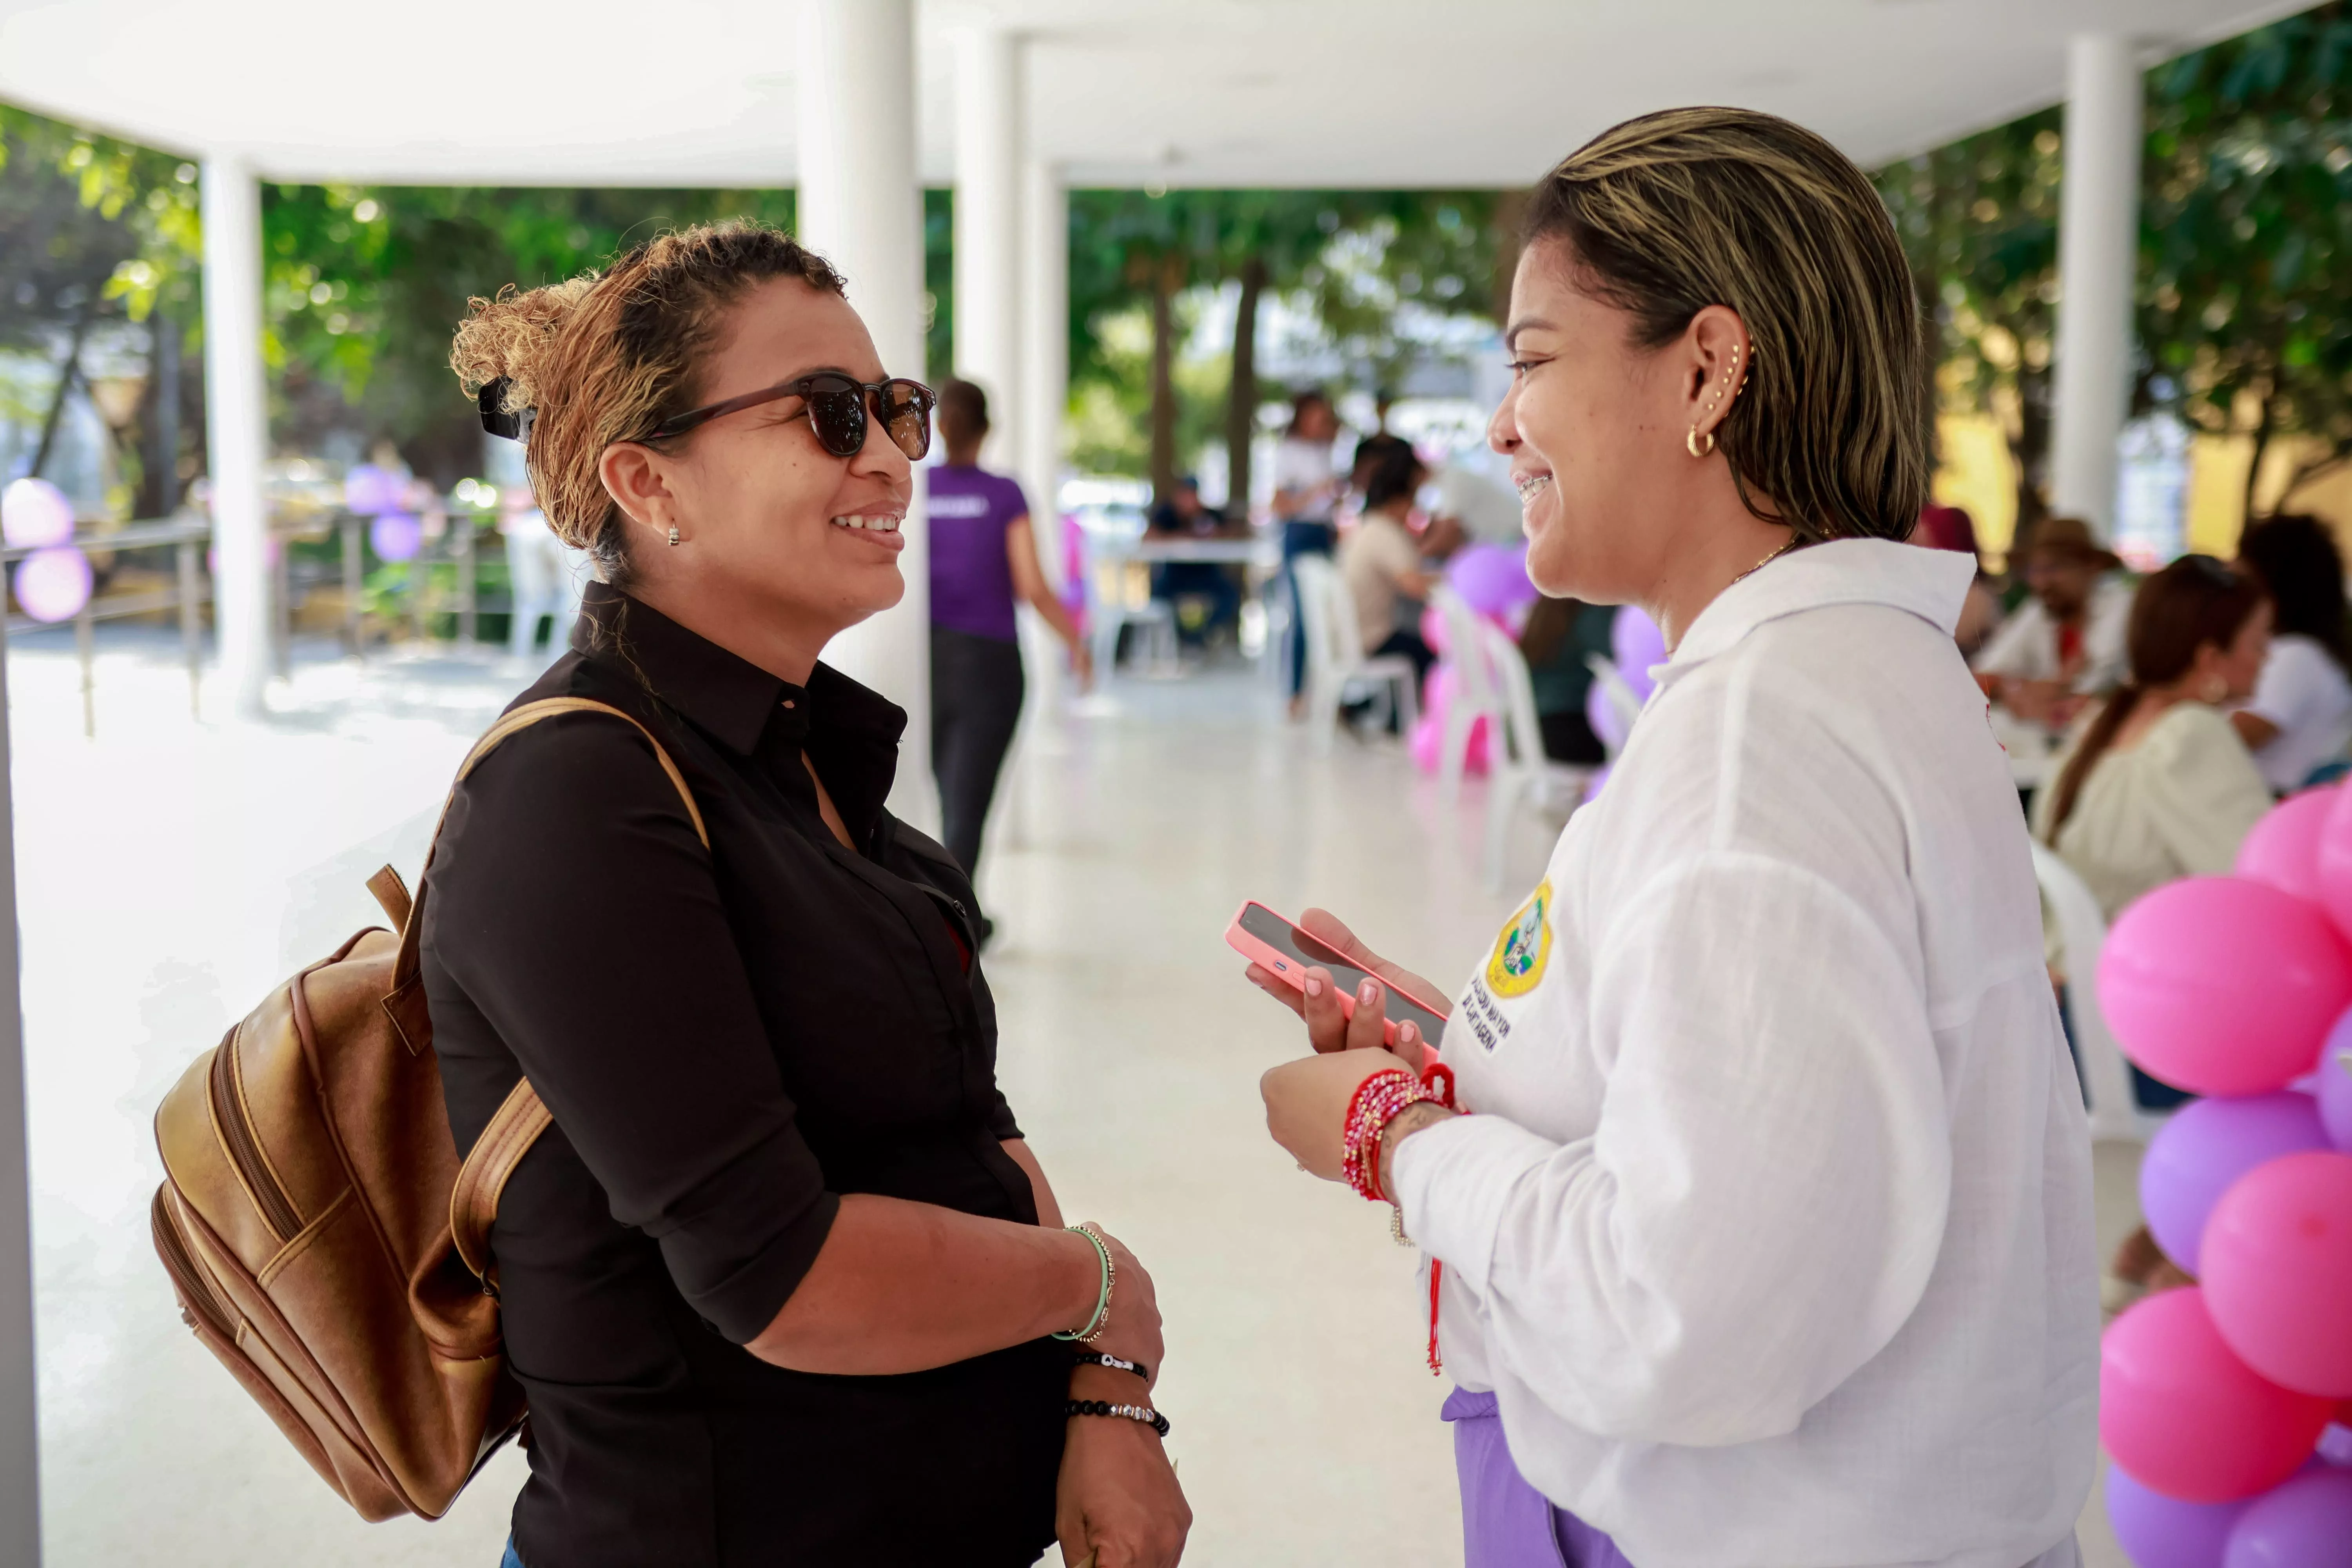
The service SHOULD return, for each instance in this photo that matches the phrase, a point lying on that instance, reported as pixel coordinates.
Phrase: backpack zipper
(197, 1297)
(278, 1210)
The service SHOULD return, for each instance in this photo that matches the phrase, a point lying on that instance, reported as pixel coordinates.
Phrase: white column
(2098, 246)
(236, 427)
(20, 1494)
(988, 231)
(861, 206)
(1044, 349)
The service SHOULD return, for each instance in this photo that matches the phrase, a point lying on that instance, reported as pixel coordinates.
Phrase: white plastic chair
(1518, 773)
(1336, 660)
(1112, 606)
(2115, 1111)
(1475, 694)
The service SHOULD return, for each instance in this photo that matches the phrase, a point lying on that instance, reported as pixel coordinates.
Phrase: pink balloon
(2277, 1257)
(1427, 739)
(1433, 632)
(2188, 1418)
(35, 511)
(2221, 985)
(52, 582)
(2283, 850)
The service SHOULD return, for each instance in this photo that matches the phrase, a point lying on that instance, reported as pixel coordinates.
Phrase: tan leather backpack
(322, 1237)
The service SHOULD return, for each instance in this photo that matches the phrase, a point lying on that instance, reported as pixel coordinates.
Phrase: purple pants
(1506, 1523)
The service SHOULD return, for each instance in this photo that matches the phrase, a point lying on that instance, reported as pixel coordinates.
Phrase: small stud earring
(673, 533)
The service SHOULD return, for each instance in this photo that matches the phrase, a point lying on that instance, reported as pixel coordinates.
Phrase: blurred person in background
(1306, 489)
(781, 1278)
(1559, 639)
(1769, 1239)
(2299, 719)
(983, 559)
(2158, 787)
(2065, 644)
(1950, 527)
(1203, 592)
(547, 574)
(1381, 564)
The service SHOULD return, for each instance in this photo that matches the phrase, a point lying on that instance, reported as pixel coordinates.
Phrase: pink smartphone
(1276, 945)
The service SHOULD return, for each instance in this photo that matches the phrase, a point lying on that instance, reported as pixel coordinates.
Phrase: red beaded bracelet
(1376, 1102)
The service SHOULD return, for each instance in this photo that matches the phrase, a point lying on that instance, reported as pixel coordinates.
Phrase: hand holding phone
(1284, 951)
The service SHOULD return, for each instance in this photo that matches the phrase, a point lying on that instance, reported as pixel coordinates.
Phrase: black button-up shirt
(728, 1039)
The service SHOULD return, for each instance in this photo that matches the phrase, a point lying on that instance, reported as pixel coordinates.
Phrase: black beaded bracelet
(1104, 1358)
(1143, 1413)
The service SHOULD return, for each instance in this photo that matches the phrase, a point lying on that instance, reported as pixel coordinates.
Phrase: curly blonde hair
(605, 357)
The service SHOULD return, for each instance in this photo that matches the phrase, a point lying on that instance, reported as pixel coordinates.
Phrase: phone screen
(1283, 937)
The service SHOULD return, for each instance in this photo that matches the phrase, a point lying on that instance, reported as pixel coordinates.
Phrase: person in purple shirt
(983, 556)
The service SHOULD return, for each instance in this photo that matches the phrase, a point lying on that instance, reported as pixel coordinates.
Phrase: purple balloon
(371, 492)
(1636, 642)
(2158, 1531)
(2304, 1523)
(397, 535)
(1491, 579)
(52, 582)
(2195, 1157)
(2336, 1084)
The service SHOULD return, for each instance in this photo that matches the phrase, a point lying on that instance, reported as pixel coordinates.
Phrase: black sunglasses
(837, 410)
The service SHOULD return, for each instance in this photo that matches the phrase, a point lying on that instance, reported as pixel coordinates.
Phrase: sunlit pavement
(172, 870)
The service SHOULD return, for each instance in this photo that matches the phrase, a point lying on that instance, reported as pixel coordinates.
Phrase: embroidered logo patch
(1521, 952)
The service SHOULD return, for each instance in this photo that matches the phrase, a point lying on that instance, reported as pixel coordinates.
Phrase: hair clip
(491, 401)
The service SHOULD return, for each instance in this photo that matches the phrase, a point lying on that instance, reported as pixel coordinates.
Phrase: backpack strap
(520, 1118)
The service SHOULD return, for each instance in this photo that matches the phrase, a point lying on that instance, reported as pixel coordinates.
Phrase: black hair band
(492, 400)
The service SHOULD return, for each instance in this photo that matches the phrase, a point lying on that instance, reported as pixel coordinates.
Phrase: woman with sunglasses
(783, 1282)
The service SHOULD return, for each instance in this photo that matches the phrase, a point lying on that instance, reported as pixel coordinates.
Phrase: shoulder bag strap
(520, 1118)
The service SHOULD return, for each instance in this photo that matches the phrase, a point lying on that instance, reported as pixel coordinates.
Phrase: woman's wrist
(1402, 1126)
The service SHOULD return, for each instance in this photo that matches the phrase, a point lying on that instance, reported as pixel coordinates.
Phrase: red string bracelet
(1377, 1102)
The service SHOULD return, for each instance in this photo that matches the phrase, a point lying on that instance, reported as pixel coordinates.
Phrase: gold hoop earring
(1700, 442)
(673, 533)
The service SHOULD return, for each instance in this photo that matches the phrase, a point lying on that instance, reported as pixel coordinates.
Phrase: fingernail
(1408, 1032)
(1314, 986)
(1370, 991)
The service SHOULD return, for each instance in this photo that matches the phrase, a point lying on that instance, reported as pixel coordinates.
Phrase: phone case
(1290, 970)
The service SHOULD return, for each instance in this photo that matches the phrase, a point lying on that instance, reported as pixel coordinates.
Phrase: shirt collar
(733, 699)
(1930, 584)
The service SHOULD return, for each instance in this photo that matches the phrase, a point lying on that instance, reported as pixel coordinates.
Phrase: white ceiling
(1124, 92)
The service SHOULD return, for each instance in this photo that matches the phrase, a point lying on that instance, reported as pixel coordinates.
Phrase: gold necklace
(1793, 541)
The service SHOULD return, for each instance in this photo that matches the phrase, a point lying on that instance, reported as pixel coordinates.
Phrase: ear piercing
(673, 533)
(1700, 443)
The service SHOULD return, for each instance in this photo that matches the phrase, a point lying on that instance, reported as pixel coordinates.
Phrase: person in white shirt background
(1305, 487)
(2065, 644)
(1767, 1238)
(2299, 718)
(547, 576)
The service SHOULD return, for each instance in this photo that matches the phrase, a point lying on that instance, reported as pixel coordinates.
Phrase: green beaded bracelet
(1102, 1302)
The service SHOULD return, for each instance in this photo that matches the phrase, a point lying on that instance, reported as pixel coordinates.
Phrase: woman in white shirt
(2299, 719)
(1306, 483)
(1769, 1239)
(2158, 787)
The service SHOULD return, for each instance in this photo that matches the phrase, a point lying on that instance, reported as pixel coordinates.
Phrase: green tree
(2245, 306)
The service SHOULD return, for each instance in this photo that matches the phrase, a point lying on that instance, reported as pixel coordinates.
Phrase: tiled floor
(172, 871)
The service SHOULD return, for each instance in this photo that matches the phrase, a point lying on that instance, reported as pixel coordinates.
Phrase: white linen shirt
(2305, 693)
(1772, 1231)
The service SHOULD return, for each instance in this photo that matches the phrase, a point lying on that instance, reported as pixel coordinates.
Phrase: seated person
(1951, 528)
(1560, 637)
(1202, 592)
(2299, 719)
(2158, 786)
(2065, 644)
(1380, 562)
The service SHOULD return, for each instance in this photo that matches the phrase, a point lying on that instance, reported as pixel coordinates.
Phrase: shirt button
(788, 702)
